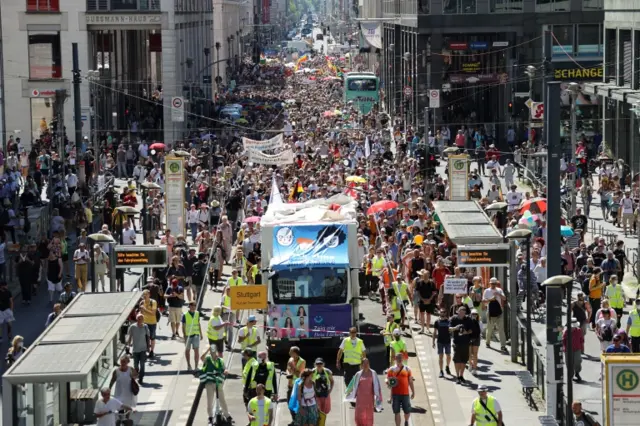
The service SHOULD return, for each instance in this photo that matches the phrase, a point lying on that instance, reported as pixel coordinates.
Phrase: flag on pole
(303, 58)
(350, 190)
(296, 191)
(367, 148)
(276, 198)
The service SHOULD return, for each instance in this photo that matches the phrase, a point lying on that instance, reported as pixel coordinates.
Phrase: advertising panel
(305, 321)
(312, 245)
(141, 256)
(174, 194)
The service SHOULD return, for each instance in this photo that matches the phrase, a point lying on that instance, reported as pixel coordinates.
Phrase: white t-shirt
(627, 205)
(111, 406)
(489, 293)
(128, 236)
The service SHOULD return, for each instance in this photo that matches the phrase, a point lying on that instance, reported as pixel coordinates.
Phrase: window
(43, 5)
(318, 285)
(124, 4)
(506, 6)
(563, 40)
(362, 85)
(552, 5)
(592, 4)
(589, 41)
(45, 60)
(459, 6)
(424, 7)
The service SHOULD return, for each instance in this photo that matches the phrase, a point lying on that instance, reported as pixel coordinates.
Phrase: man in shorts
(442, 336)
(175, 299)
(427, 292)
(192, 334)
(461, 327)
(400, 380)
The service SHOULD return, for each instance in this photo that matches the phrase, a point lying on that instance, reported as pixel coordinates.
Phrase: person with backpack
(605, 329)
(494, 299)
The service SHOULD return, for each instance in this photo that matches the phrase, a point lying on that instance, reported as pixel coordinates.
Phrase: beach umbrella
(566, 231)
(382, 206)
(158, 146)
(252, 219)
(356, 179)
(536, 205)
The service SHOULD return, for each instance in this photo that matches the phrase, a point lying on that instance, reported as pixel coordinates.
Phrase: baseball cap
(319, 361)
(251, 318)
(396, 332)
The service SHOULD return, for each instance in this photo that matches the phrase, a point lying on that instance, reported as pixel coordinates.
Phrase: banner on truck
(281, 159)
(275, 142)
(313, 245)
(303, 321)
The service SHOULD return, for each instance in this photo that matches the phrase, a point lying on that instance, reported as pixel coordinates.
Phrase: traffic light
(510, 107)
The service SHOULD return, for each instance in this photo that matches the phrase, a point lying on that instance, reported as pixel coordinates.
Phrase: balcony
(122, 5)
(36, 6)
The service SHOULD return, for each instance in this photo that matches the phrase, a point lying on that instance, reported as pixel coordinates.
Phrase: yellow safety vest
(395, 308)
(634, 330)
(254, 272)
(212, 333)
(402, 290)
(237, 281)
(191, 323)
(251, 337)
(271, 371)
(226, 303)
(260, 413)
(388, 332)
(482, 414)
(247, 368)
(377, 265)
(467, 301)
(398, 346)
(296, 373)
(353, 353)
(615, 297)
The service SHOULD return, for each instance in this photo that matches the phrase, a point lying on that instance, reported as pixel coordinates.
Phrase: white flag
(367, 148)
(275, 198)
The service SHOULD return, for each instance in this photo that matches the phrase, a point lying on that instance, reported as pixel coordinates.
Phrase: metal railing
(539, 356)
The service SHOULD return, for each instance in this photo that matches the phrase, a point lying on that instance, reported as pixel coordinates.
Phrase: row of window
(578, 40)
(45, 57)
(495, 6)
(109, 5)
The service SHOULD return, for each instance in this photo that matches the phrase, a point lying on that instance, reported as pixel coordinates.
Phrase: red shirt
(460, 139)
(438, 275)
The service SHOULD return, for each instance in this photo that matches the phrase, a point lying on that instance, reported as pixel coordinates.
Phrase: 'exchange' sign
(580, 71)
(491, 255)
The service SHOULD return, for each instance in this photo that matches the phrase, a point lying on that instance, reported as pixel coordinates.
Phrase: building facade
(475, 52)
(619, 87)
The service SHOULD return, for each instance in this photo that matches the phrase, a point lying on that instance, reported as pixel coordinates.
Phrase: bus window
(362, 85)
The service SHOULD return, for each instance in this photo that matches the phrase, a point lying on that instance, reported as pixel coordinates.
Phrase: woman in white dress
(122, 378)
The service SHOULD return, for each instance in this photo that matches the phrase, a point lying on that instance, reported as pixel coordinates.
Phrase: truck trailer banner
(303, 321)
(309, 246)
(275, 142)
(281, 159)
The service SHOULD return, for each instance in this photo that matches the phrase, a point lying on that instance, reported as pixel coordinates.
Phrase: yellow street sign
(248, 297)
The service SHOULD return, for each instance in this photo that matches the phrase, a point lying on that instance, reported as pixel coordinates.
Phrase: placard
(491, 255)
(174, 194)
(455, 285)
(141, 256)
(281, 159)
(248, 297)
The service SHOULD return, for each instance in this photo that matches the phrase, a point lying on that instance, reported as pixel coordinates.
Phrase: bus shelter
(57, 380)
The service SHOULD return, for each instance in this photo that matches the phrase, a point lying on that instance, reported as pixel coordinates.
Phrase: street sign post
(177, 109)
(434, 99)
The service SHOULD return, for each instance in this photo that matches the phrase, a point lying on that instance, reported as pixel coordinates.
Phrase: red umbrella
(252, 219)
(535, 206)
(382, 206)
(157, 146)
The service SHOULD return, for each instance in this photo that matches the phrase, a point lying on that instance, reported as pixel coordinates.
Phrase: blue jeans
(194, 230)
(139, 360)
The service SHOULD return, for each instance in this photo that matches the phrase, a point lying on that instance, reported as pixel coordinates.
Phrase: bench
(528, 386)
(547, 421)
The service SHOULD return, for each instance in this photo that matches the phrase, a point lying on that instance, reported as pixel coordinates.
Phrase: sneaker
(474, 372)
(458, 381)
(448, 371)
(504, 349)
(151, 354)
(578, 378)
(462, 379)
(173, 336)
(441, 374)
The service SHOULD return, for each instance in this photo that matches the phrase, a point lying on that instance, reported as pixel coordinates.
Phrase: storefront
(588, 107)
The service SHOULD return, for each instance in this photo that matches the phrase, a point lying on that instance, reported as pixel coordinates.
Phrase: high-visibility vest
(353, 353)
(402, 290)
(615, 296)
(271, 371)
(634, 330)
(399, 347)
(260, 413)
(296, 373)
(247, 368)
(212, 333)
(209, 369)
(254, 272)
(377, 265)
(395, 308)
(466, 300)
(192, 323)
(482, 414)
(251, 337)
(237, 281)
(388, 332)
(226, 303)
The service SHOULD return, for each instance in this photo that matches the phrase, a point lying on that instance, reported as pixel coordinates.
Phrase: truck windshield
(310, 286)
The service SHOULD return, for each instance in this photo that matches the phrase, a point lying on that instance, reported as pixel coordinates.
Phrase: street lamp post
(636, 111)
(217, 45)
(565, 282)
(93, 76)
(574, 88)
(524, 235)
(531, 73)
